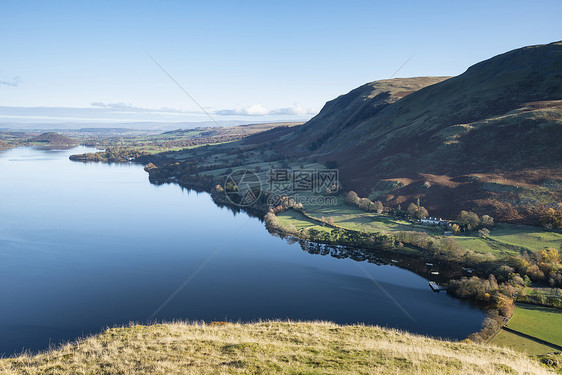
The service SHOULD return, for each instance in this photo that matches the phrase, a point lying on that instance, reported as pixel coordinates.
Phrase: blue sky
(241, 60)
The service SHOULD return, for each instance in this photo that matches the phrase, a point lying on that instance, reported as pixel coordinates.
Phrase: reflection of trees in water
(381, 257)
(342, 252)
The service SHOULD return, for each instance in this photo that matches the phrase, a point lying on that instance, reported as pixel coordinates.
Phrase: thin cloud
(124, 107)
(99, 112)
(259, 110)
(14, 82)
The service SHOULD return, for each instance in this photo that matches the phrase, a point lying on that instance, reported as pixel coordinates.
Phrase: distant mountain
(145, 126)
(488, 139)
(53, 139)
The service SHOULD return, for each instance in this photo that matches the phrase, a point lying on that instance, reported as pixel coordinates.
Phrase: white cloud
(15, 82)
(296, 109)
(259, 110)
(253, 110)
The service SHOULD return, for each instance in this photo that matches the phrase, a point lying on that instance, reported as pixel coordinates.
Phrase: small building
(435, 221)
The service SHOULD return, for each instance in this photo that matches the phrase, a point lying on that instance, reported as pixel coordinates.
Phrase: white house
(434, 221)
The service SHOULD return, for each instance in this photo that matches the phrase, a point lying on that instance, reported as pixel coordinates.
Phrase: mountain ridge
(495, 124)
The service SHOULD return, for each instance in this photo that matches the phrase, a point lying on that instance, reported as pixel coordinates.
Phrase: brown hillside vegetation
(487, 140)
(4, 145)
(269, 348)
(53, 138)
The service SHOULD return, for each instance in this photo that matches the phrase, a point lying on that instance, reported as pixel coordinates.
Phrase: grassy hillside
(53, 139)
(343, 113)
(269, 348)
(486, 140)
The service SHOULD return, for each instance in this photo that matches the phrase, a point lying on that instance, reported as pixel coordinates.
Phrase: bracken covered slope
(488, 140)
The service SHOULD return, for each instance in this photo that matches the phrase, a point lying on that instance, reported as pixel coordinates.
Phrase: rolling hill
(53, 139)
(270, 348)
(487, 140)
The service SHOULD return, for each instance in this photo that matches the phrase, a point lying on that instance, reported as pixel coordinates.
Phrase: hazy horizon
(250, 62)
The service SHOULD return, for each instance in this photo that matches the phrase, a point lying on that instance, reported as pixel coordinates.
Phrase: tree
(378, 207)
(417, 212)
(352, 198)
(487, 221)
(484, 232)
(468, 219)
(422, 212)
(456, 229)
(550, 255)
(364, 204)
(412, 209)
(553, 218)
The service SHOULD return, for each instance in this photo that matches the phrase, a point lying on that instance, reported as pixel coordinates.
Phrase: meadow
(504, 239)
(540, 322)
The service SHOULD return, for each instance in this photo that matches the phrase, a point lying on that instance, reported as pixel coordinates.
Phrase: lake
(89, 246)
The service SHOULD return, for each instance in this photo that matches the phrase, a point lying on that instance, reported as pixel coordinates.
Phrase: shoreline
(452, 269)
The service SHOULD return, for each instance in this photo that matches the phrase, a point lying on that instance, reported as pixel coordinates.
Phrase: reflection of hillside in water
(415, 264)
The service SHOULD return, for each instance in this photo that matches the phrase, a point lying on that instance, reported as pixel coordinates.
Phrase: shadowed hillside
(488, 139)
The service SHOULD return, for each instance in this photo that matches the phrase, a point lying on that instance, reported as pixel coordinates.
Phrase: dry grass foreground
(269, 348)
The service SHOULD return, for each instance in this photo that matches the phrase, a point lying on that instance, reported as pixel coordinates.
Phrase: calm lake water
(86, 246)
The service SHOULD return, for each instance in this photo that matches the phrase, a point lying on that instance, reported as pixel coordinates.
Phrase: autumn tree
(378, 207)
(364, 204)
(484, 232)
(352, 198)
(412, 209)
(422, 212)
(468, 219)
(487, 221)
(417, 211)
(550, 255)
(553, 218)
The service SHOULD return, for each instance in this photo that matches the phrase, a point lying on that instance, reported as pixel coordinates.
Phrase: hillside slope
(269, 348)
(53, 139)
(346, 111)
(487, 140)
(4, 145)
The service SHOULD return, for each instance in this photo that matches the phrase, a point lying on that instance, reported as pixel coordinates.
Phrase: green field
(298, 220)
(506, 339)
(543, 323)
(511, 239)
(504, 239)
(531, 238)
(475, 243)
(351, 217)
